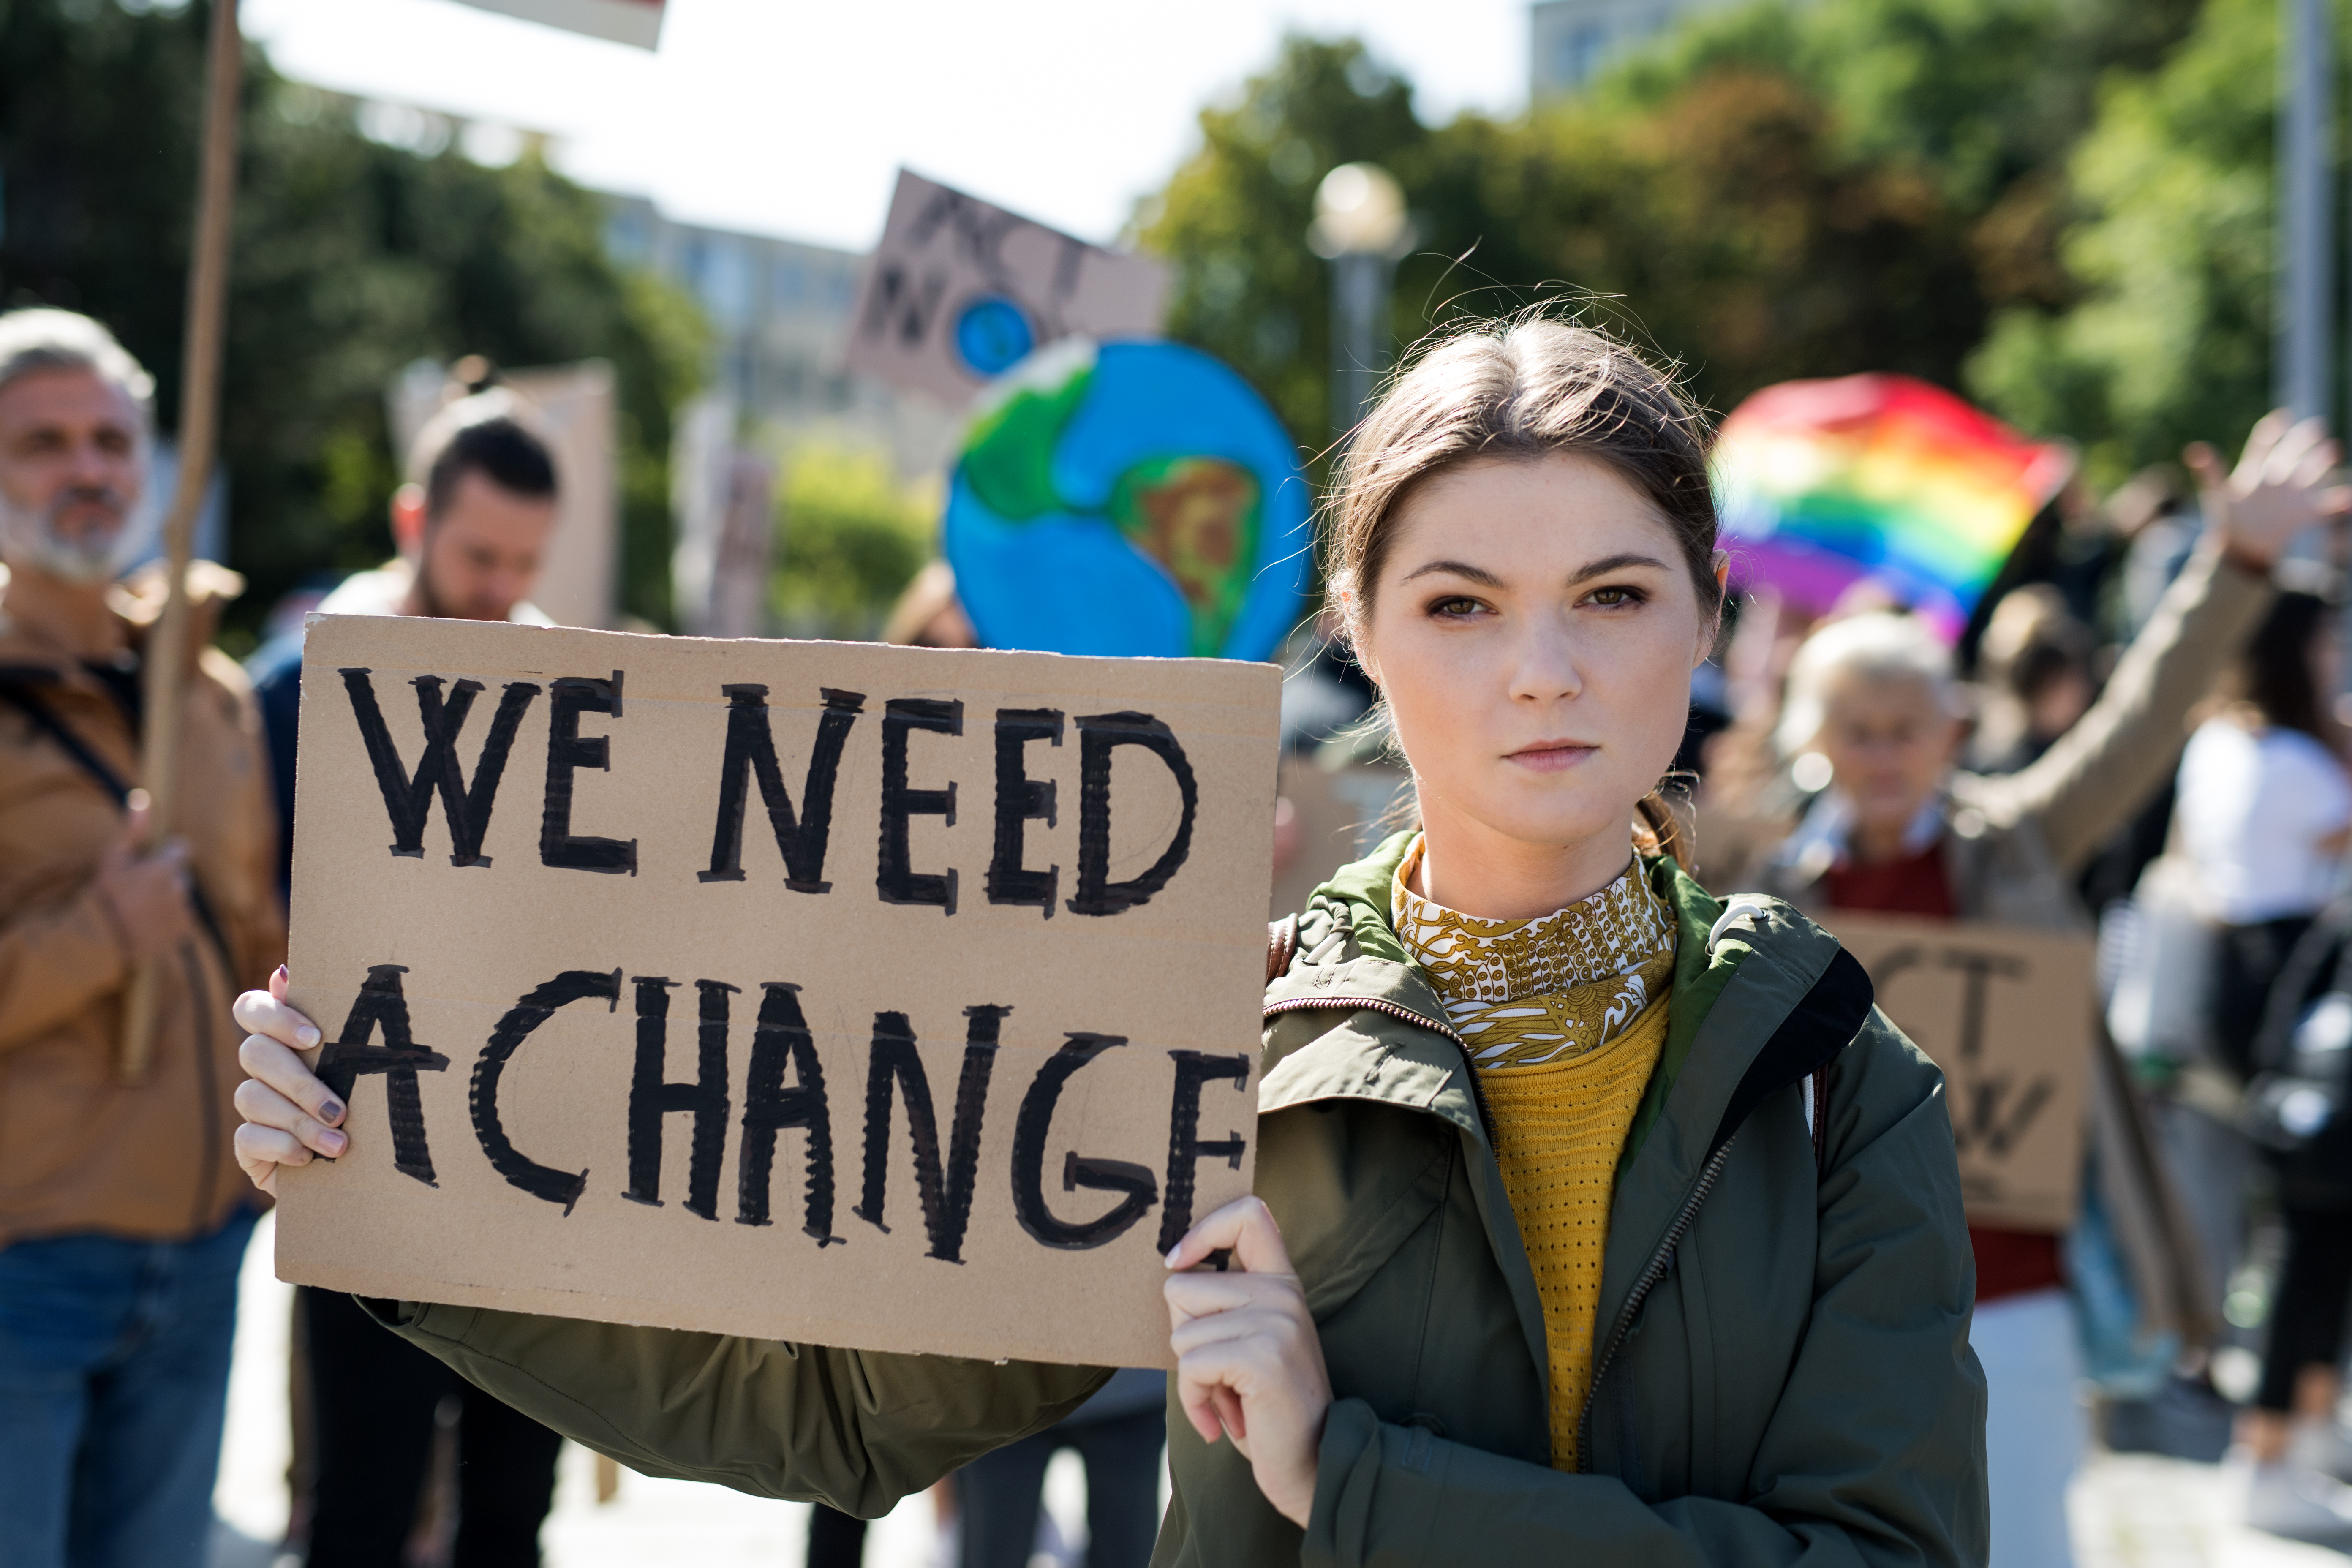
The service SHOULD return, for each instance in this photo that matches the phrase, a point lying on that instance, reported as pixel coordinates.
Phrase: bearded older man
(122, 1219)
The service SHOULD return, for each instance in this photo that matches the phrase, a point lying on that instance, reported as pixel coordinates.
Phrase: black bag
(2296, 1104)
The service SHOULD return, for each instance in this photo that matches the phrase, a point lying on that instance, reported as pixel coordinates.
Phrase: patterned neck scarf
(1526, 992)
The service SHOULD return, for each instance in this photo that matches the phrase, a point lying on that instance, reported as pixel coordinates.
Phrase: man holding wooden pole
(121, 1218)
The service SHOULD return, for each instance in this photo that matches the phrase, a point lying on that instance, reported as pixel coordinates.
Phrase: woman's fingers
(261, 1151)
(1197, 1295)
(1244, 1227)
(263, 1106)
(281, 1070)
(262, 1012)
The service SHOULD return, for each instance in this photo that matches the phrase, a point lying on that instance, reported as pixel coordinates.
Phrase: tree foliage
(1774, 191)
(350, 259)
(853, 536)
(2168, 337)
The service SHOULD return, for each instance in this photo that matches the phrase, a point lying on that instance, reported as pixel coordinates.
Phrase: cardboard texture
(2007, 1012)
(642, 1038)
(960, 290)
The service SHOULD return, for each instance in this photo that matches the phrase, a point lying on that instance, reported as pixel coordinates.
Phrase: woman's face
(1534, 629)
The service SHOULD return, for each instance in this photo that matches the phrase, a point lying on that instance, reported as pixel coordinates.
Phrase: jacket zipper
(1477, 1095)
(1655, 1272)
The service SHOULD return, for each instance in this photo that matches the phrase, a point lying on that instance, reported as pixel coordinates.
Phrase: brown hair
(1523, 389)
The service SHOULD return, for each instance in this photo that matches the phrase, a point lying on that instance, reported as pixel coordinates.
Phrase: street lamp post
(1362, 229)
(2304, 367)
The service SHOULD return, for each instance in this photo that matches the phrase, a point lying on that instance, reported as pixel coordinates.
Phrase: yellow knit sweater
(1566, 1018)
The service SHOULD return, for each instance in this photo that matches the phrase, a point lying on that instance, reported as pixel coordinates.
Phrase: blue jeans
(114, 1384)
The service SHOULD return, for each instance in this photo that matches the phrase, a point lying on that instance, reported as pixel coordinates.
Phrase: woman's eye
(1614, 597)
(1456, 607)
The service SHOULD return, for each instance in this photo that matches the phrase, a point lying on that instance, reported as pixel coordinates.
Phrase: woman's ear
(1351, 637)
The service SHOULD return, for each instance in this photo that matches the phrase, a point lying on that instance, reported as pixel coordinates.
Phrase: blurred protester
(1119, 1433)
(472, 524)
(2264, 815)
(2296, 1108)
(122, 1221)
(2034, 663)
(929, 613)
(1898, 830)
(2265, 809)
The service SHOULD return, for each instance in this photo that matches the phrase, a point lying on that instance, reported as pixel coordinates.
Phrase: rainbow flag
(1881, 479)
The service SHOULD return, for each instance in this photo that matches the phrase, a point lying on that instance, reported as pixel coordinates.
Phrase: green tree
(1234, 218)
(350, 259)
(2171, 246)
(1774, 191)
(853, 535)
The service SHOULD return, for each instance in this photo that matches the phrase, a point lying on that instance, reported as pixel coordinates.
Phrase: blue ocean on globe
(1131, 498)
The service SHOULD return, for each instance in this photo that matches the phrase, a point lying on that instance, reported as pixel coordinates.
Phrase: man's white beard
(30, 534)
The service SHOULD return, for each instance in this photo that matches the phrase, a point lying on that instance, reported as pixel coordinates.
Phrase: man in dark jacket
(472, 524)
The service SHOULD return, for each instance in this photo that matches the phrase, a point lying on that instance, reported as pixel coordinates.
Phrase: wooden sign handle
(167, 656)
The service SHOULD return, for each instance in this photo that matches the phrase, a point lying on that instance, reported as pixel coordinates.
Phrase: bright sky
(788, 117)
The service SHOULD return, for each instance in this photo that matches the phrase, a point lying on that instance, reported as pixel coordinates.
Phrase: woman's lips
(1552, 756)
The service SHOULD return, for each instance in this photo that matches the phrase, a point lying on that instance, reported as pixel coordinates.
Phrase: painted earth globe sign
(1131, 498)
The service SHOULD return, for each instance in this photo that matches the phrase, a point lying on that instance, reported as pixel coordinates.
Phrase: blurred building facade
(780, 310)
(1572, 39)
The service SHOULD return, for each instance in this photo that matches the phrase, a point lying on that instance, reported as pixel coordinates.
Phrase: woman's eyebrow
(1478, 574)
(1617, 562)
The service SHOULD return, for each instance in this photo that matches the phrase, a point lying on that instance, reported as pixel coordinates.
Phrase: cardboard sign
(960, 292)
(897, 998)
(2007, 1012)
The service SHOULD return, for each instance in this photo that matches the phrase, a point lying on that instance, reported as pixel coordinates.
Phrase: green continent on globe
(1197, 517)
(1009, 460)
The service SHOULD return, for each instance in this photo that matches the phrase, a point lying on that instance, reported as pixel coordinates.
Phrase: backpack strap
(73, 745)
(106, 778)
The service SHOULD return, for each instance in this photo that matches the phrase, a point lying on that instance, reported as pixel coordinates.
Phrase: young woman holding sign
(1598, 1222)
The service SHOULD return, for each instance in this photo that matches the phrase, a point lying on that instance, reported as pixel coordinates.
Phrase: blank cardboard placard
(960, 292)
(897, 998)
(2007, 1012)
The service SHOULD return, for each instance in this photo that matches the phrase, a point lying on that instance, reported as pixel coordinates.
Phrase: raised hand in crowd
(145, 892)
(2278, 490)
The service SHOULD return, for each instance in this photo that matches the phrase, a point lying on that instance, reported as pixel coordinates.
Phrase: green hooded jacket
(1782, 1367)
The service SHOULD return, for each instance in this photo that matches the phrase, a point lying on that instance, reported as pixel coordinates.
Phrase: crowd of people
(2141, 735)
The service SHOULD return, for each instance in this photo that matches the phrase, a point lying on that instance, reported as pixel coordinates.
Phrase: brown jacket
(80, 1151)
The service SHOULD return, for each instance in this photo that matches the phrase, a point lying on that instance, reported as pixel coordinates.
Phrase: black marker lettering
(946, 1194)
(751, 750)
(1029, 1134)
(1020, 800)
(1194, 1069)
(1098, 735)
(342, 1061)
(568, 750)
(409, 798)
(651, 1098)
(536, 1007)
(781, 1036)
(895, 880)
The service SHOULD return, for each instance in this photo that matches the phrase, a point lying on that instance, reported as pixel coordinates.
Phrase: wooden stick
(167, 656)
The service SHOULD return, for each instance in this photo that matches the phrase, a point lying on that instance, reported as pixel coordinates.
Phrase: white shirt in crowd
(2262, 816)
